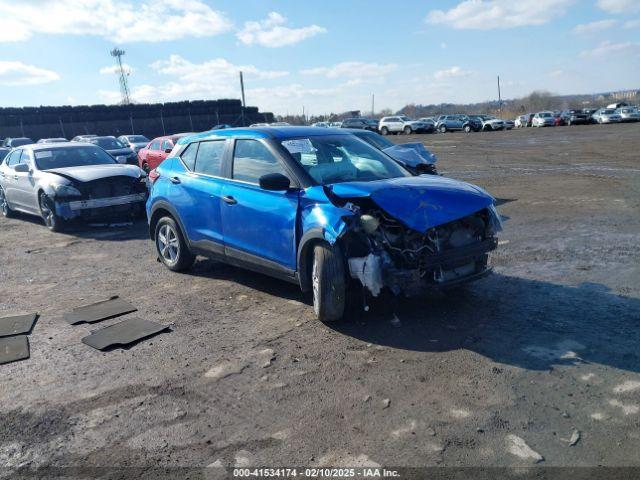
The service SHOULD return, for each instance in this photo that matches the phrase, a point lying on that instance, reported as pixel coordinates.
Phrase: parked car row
(579, 117)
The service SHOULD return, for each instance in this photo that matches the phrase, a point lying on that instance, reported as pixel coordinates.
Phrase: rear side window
(209, 158)
(252, 159)
(167, 145)
(188, 156)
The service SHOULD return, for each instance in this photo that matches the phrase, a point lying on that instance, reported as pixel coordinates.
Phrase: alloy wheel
(4, 207)
(315, 284)
(48, 214)
(168, 244)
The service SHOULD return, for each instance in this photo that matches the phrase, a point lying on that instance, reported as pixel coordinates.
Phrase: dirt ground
(505, 370)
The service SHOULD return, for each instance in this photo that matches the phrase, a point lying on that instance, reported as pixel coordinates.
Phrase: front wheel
(467, 128)
(328, 283)
(48, 213)
(407, 131)
(442, 129)
(172, 249)
(4, 205)
(145, 167)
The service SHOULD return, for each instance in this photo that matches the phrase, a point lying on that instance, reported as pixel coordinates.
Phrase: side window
(209, 159)
(189, 156)
(252, 159)
(166, 145)
(13, 158)
(155, 145)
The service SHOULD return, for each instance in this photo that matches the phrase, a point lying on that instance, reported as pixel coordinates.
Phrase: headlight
(495, 223)
(66, 191)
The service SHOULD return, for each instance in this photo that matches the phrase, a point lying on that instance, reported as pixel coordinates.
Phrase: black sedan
(117, 149)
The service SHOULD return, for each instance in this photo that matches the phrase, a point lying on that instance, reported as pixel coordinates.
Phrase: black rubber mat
(13, 349)
(113, 307)
(123, 333)
(17, 324)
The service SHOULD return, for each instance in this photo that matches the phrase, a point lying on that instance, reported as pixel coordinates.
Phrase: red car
(157, 150)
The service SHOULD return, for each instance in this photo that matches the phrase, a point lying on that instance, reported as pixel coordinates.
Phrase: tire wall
(145, 119)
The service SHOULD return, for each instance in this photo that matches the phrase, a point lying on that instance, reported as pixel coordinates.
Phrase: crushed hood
(421, 202)
(96, 172)
(411, 154)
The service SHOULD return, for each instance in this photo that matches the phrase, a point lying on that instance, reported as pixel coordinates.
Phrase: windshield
(71, 157)
(376, 140)
(608, 112)
(107, 143)
(341, 158)
(18, 142)
(138, 139)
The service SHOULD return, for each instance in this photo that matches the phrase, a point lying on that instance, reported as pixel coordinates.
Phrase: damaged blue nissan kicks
(320, 208)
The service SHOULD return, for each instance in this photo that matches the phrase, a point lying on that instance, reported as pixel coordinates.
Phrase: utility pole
(373, 104)
(303, 117)
(124, 87)
(243, 100)
(499, 97)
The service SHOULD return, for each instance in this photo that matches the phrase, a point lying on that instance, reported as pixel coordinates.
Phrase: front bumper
(101, 206)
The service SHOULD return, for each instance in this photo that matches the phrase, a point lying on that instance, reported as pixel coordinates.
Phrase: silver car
(64, 181)
(134, 142)
(606, 115)
(628, 114)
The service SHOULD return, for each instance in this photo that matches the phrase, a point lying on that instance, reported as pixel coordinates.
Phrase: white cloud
(452, 73)
(499, 14)
(116, 20)
(216, 78)
(586, 28)
(632, 24)
(115, 69)
(272, 33)
(19, 74)
(619, 6)
(360, 70)
(608, 48)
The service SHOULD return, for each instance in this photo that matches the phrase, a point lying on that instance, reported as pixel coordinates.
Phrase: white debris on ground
(627, 409)
(518, 447)
(628, 386)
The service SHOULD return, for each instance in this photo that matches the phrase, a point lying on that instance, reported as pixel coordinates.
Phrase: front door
(25, 191)
(258, 225)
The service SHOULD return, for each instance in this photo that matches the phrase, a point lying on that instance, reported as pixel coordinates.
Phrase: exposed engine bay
(383, 252)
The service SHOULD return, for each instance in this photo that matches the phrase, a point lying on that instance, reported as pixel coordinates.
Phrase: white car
(320, 124)
(402, 124)
(543, 119)
(490, 122)
(607, 115)
(628, 114)
(521, 121)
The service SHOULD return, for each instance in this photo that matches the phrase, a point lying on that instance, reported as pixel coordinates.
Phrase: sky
(324, 56)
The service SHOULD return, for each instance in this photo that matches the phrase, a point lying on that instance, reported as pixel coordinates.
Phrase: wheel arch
(163, 209)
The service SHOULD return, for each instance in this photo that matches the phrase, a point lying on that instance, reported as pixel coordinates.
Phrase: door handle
(229, 199)
(175, 180)
(16, 177)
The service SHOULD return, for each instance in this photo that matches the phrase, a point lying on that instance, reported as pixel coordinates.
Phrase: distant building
(626, 95)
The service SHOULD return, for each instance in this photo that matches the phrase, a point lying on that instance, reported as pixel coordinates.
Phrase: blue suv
(320, 208)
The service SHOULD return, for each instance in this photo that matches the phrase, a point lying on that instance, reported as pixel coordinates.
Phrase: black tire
(408, 130)
(145, 167)
(4, 206)
(442, 129)
(328, 283)
(172, 249)
(467, 128)
(48, 213)
(384, 131)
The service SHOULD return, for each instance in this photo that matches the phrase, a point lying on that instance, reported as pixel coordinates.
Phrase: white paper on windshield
(44, 154)
(299, 145)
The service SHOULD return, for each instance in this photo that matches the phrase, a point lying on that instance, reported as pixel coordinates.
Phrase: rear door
(258, 225)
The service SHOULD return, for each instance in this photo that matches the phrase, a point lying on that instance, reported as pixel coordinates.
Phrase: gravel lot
(507, 369)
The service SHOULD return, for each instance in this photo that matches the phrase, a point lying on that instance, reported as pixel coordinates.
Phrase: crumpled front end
(107, 198)
(415, 234)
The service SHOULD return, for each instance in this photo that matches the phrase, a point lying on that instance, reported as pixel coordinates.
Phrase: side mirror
(168, 150)
(22, 168)
(275, 182)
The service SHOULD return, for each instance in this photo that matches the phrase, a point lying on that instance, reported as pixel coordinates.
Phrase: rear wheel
(4, 206)
(172, 249)
(467, 128)
(328, 283)
(48, 212)
(384, 131)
